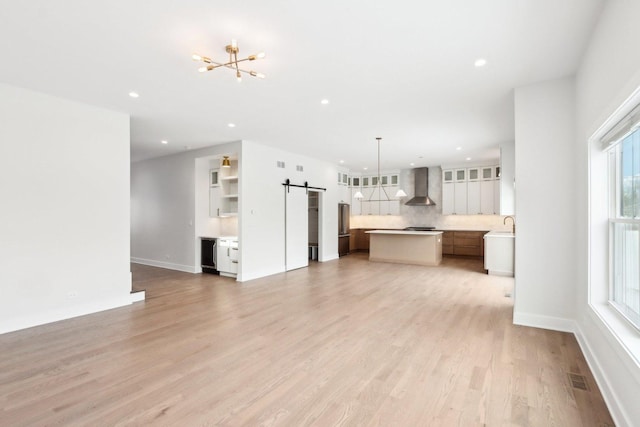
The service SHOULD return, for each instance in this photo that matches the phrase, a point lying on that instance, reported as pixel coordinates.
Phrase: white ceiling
(401, 70)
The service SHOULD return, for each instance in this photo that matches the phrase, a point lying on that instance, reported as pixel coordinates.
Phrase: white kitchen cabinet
(214, 201)
(473, 174)
(487, 197)
(471, 191)
(487, 173)
(448, 200)
(460, 198)
(499, 250)
(214, 177)
(344, 194)
(474, 195)
(356, 204)
(454, 198)
(496, 196)
(227, 256)
(394, 207)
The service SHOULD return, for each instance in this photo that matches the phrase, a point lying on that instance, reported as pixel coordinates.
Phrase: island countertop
(405, 232)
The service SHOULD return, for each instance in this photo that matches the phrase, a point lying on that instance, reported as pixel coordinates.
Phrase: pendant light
(225, 162)
(399, 194)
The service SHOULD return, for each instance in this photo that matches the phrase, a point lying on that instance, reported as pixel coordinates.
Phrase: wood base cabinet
(463, 243)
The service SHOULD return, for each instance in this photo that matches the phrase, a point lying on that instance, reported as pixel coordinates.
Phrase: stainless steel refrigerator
(343, 229)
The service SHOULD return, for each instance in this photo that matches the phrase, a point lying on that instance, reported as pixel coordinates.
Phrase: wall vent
(299, 168)
(280, 164)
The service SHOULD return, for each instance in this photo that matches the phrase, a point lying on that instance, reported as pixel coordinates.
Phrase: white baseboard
(137, 296)
(258, 274)
(329, 258)
(163, 264)
(612, 399)
(544, 322)
(51, 316)
(604, 384)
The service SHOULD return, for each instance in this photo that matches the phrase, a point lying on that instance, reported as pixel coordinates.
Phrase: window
(624, 220)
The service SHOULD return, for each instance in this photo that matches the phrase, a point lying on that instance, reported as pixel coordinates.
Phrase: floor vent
(578, 381)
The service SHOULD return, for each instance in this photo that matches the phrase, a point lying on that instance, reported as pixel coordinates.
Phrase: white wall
(608, 75)
(164, 221)
(262, 207)
(545, 205)
(64, 221)
(170, 207)
(507, 178)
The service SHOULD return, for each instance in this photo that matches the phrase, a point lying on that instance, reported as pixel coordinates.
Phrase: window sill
(620, 330)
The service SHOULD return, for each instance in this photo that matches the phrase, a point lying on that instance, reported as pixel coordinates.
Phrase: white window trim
(619, 329)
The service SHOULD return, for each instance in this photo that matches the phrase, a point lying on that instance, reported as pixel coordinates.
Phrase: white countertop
(508, 234)
(220, 237)
(405, 232)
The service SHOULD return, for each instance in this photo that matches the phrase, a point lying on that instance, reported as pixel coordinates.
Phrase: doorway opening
(313, 224)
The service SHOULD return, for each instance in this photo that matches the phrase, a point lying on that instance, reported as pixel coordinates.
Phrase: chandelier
(232, 50)
(379, 188)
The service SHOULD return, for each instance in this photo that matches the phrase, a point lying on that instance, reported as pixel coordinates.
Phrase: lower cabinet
(463, 243)
(227, 257)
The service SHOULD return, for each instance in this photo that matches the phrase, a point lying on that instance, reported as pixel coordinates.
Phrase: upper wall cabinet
(375, 193)
(471, 191)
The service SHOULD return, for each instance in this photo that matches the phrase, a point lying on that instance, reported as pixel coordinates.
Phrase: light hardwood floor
(346, 342)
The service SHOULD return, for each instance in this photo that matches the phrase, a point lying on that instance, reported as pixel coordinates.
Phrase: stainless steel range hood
(421, 197)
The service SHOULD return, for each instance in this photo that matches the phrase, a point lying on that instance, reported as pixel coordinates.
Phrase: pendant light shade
(401, 194)
(358, 195)
(225, 162)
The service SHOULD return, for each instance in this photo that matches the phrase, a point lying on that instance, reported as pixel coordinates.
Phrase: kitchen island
(406, 247)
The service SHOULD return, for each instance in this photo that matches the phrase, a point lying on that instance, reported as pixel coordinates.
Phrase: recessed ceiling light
(480, 62)
(458, 148)
(412, 164)
(341, 161)
(324, 102)
(231, 125)
(133, 94)
(468, 158)
(164, 141)
(365, 168)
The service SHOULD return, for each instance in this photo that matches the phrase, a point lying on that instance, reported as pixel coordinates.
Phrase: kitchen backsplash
(428, 215)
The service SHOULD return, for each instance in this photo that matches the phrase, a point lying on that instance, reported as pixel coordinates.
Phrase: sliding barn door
(296, 228)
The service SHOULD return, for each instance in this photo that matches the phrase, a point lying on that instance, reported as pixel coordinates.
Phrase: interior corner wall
(608, 75)
(64, 221)
(163, 208)
(545, 205)
(261, 227)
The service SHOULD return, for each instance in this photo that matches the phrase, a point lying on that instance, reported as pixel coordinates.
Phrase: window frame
(621, 337)
(614, 175)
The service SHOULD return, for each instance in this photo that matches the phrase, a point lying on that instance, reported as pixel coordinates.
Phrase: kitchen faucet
(514, 223)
